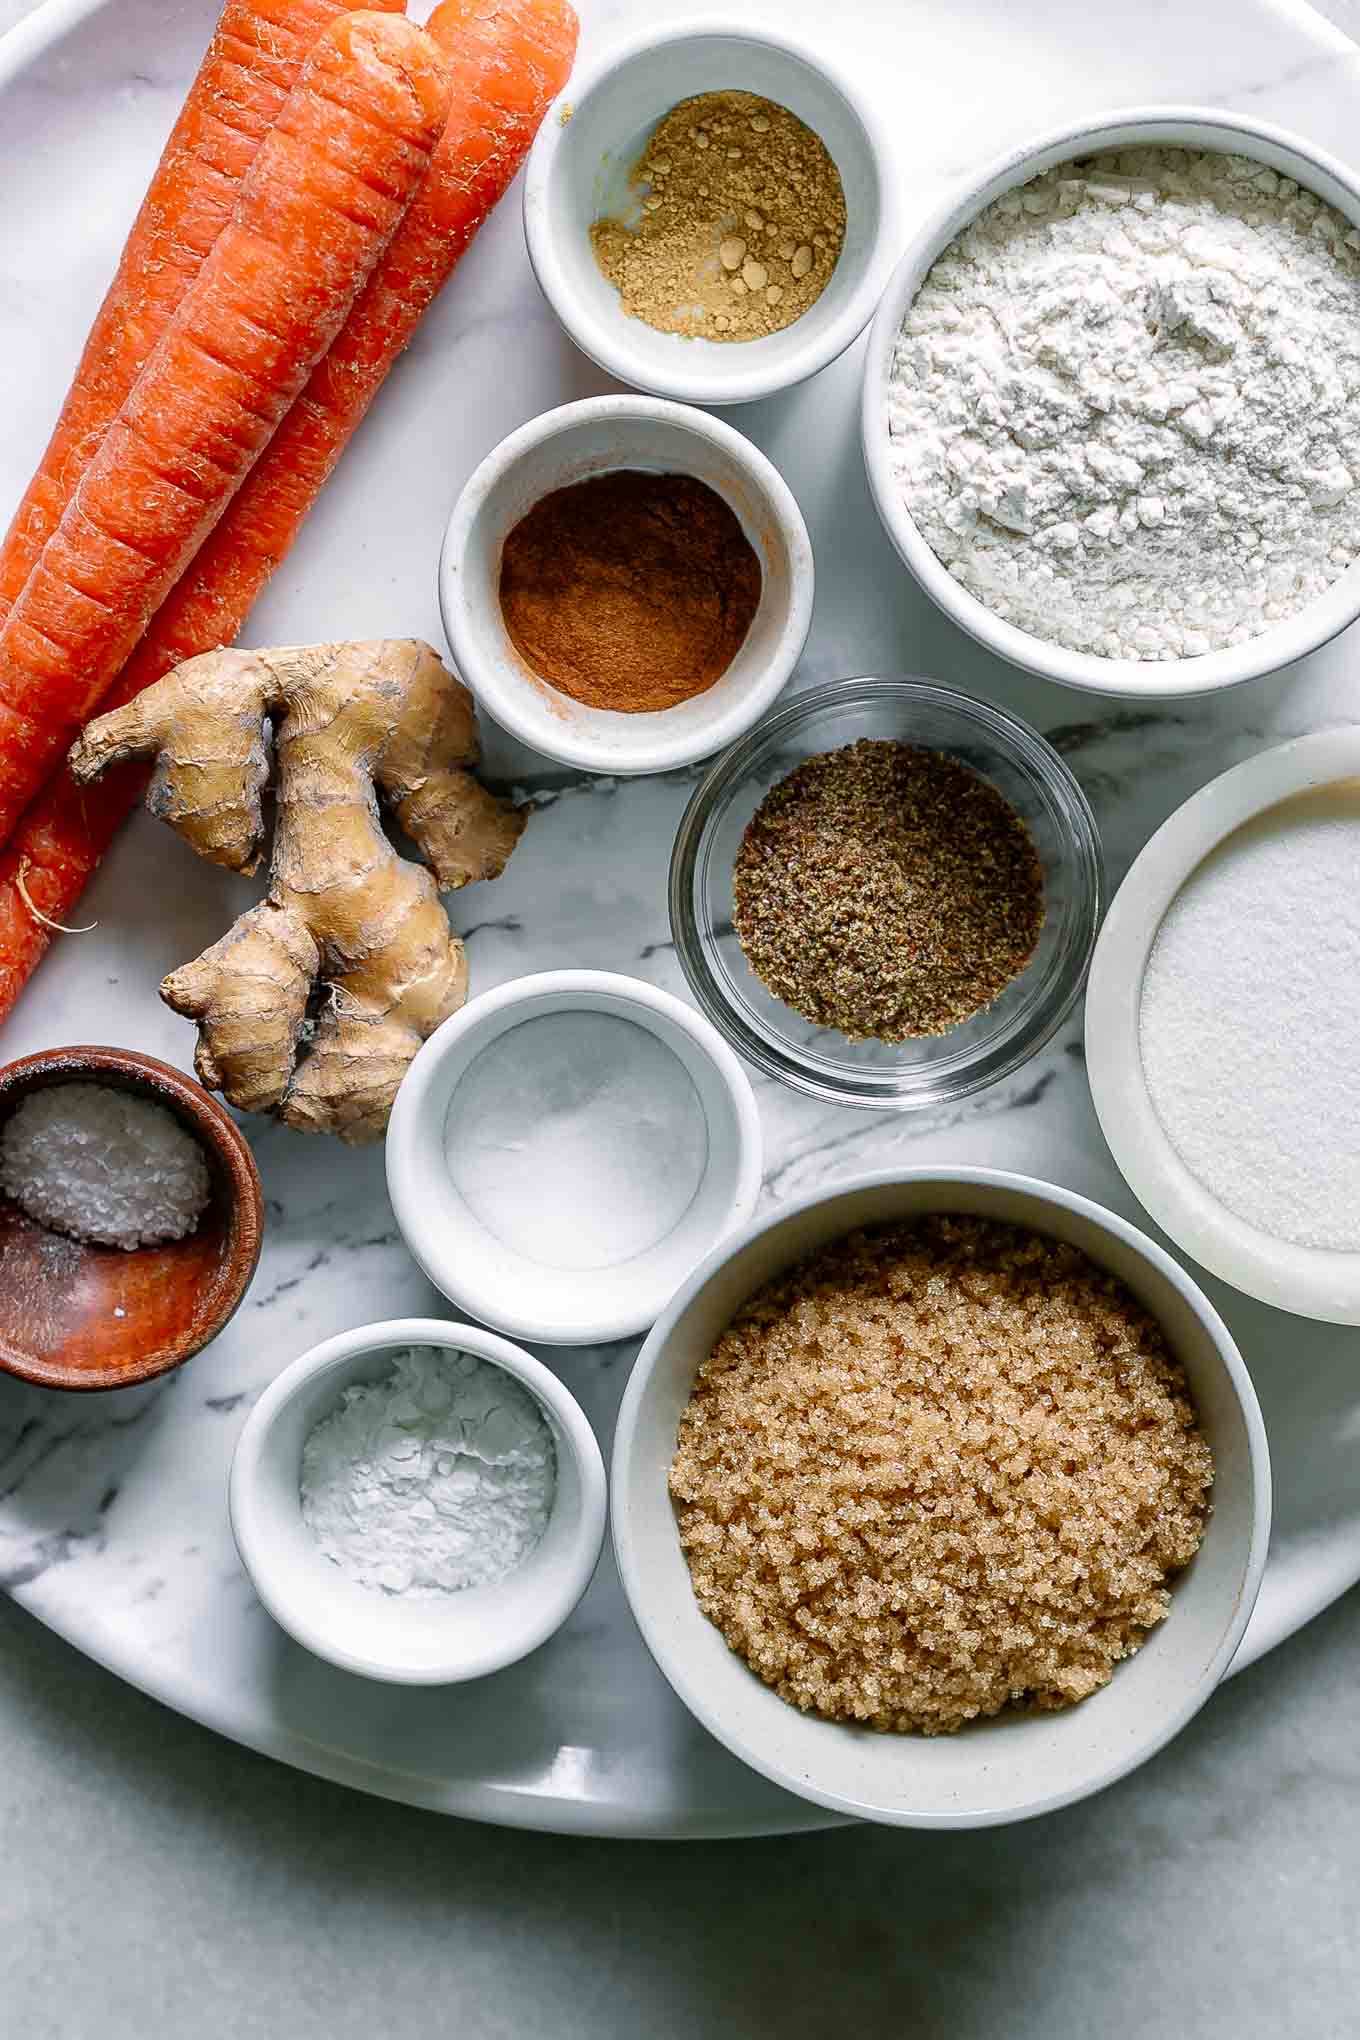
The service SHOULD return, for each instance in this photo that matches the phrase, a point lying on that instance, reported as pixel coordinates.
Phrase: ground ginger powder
(742, 220)
(936, 1470)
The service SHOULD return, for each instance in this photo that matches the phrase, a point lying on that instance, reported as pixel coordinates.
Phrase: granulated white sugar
(1250, 1021)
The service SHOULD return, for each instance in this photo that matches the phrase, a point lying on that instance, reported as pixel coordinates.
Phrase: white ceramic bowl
(1313, 1281)
(435, 1642)
(1014, 1765)
(578, 171)
(549, 1305)
(568, 445)
(1181, 127)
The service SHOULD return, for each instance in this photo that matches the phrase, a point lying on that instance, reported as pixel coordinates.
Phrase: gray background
(157, 1881)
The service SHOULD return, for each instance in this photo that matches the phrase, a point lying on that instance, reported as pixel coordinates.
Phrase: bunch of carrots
(327, 171)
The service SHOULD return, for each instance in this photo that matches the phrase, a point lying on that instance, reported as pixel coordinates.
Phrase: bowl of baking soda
(418, 1501)
(1111, 414)
(564, 1151)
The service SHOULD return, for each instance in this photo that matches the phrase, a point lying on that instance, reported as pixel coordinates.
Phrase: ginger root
(314, 1003)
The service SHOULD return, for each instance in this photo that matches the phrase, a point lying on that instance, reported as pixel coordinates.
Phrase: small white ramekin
(1314, 1282)
(1012, 1766)
(578, 171)
(434, 1642)
(557, 1306)
(1157, 679)
(569, 445)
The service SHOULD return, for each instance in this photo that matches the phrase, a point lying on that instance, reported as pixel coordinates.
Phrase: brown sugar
(937, 1470)
(630, 590)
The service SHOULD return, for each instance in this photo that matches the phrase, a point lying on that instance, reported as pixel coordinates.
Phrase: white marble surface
(1226, 1871)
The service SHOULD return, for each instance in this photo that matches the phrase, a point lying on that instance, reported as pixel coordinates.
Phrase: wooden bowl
(88, 1317)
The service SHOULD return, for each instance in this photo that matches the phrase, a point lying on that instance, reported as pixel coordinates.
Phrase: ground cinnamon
(630, 591)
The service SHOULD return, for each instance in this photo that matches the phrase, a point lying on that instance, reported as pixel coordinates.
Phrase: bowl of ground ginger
(711, 215)
(942, 1498)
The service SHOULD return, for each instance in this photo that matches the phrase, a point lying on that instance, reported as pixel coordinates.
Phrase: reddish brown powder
(629, 591)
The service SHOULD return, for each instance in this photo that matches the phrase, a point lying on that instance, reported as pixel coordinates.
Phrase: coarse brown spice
(937, 1470)
(742, 217)
(630, 591)
(887, 891)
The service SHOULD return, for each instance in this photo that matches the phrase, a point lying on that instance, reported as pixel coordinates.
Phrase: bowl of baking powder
(418, 1502)
(1111, 408)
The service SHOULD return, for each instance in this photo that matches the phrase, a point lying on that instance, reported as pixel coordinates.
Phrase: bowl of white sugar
(564, 1151)
(1222, 1039)
(1111, 410)
(418, 1501)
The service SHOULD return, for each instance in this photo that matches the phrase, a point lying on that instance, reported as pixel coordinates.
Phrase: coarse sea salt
(1249, 1023)
(103, 1165)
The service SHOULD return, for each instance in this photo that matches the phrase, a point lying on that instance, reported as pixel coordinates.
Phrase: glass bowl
(927, 1070)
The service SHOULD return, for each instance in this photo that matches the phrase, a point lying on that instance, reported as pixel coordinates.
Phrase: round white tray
(113, 1524)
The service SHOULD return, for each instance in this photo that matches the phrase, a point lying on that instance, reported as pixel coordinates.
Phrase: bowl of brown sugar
(942, 1498)
(626, 584)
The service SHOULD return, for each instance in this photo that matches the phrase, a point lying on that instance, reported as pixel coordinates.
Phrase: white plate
(113, 1524)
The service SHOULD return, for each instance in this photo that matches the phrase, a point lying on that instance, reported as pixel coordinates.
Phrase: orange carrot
(509, 59)
(250, 66)
(318, 205)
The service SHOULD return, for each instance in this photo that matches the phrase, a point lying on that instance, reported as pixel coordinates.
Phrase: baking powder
(1125, 403)
(440, 1476)
(1249, 1026)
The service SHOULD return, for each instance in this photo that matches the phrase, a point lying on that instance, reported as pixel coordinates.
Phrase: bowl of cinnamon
(626, 584)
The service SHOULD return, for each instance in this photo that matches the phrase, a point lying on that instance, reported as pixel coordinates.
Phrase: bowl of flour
(1111, 412)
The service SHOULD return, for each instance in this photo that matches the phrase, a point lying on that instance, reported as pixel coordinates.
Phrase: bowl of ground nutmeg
(887, 894)
(711, 217)
(626, 584)
(942, 1498)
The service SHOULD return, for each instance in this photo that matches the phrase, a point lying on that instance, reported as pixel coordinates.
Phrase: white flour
(438, 1477)
(1249, 1026)
(1125, 403)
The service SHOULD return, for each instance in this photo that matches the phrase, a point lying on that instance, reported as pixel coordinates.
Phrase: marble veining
(113, 1524)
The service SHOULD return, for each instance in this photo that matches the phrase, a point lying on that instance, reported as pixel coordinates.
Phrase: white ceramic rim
(739, 385)
(1152, 680)
(1310, 1281)
(456, 1276)
(655, 1634)
(507, 694)
(247, 1472)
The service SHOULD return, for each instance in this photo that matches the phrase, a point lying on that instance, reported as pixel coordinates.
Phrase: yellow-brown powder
(938, 1469)
(742, 220)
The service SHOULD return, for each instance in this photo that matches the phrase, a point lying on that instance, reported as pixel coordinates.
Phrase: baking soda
(578, 1140)
(1250, 1021)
